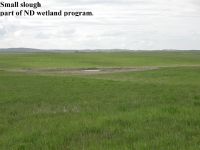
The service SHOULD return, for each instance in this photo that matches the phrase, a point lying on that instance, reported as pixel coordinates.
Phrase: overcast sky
(121, 24)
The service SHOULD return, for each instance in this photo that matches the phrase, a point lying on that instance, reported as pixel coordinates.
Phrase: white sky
(121, 24)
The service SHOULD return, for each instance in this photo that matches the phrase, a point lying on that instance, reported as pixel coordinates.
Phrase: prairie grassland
(152, 109)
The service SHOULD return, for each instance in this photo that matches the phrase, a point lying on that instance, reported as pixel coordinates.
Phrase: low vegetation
(144, 109)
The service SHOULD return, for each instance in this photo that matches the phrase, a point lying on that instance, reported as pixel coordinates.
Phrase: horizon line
(103, 49)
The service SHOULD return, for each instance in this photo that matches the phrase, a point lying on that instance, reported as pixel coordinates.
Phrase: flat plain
(100, 100)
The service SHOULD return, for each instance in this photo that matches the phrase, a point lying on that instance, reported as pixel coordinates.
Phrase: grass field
(151, 109)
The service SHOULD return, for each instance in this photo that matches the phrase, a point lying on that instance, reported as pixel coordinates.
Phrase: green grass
(120, 59)
(157, 109)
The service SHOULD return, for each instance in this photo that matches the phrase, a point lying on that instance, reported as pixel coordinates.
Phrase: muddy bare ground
(84, 71)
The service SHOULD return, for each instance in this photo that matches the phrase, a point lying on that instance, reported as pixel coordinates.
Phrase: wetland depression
(82, 71)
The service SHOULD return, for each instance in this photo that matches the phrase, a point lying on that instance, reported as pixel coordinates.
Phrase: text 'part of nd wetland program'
(33, 12)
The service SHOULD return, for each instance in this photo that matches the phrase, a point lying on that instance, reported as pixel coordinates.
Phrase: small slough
(91, 70)
(83, 71)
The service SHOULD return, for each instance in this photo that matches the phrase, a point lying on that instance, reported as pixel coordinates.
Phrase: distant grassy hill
(99, 59)
(19, 50)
